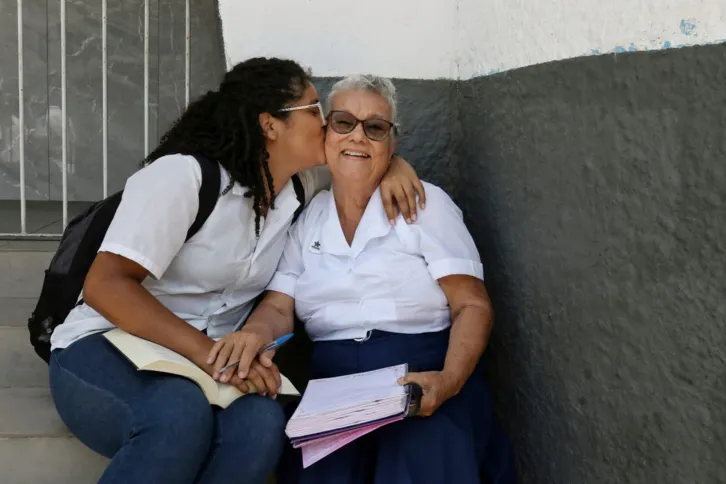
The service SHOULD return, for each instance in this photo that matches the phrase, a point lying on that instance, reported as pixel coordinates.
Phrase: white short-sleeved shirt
(385, 280)
(212, 280)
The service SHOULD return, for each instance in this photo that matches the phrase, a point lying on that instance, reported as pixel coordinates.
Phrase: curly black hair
(223, 125)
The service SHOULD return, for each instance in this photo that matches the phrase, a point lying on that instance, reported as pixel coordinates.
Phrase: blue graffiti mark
(618, 50)
(488, 72)
(688, 27)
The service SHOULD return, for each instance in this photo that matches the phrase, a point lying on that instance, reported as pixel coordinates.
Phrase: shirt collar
(373, 224)
(285, 202)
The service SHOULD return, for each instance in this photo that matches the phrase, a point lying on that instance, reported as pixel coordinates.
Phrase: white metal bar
(104, 81)
(187, 51)
(64, 115)
(21, 121)
(146, 77)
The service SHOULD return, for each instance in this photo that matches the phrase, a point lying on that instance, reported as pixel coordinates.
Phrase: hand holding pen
(269, 347)
(250, 353)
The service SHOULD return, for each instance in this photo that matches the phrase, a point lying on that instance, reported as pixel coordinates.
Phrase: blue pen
(274, 345)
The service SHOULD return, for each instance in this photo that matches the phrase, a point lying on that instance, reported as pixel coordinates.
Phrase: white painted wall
(497, 35)
(459, 38)
(395, 38)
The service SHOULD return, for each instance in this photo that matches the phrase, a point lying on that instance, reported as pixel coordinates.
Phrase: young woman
(263, 125)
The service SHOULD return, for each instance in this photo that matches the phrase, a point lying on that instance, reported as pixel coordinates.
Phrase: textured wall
(42, 86)
(459, 39)
(596, 191)
(498, 35)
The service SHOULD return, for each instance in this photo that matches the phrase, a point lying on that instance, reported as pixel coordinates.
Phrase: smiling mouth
(355, 154)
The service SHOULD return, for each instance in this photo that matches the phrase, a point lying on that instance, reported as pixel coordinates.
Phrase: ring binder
(415, 394)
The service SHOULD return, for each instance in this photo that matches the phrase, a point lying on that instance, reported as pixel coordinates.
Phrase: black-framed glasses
(375, 129)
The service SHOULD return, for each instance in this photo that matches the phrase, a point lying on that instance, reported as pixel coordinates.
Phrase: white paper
(336, 403)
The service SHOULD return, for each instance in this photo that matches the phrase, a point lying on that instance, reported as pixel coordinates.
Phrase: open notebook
(149, 356)
(335, 411)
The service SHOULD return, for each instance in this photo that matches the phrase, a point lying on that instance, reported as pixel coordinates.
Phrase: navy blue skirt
(460, 443)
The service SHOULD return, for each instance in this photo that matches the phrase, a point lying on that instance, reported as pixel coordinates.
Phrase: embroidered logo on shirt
(316, 245)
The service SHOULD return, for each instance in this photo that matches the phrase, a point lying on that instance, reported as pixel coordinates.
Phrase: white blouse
(386, 279)
(212, 280)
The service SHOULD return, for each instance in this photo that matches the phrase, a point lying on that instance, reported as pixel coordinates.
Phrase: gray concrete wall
(596, 191)
(42, 65)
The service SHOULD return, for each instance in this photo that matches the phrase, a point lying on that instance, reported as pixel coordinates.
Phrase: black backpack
(79, 245)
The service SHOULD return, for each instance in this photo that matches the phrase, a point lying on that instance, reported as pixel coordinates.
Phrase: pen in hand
(271, 346)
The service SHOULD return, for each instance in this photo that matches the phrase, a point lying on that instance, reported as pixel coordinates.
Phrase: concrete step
(20, 367)
(35, 446)
(21, 273)
(15, 311)
(28, 245)
(48, 460)
(29, 412)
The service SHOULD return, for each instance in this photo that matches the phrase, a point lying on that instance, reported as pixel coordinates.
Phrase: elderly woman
(374, 293)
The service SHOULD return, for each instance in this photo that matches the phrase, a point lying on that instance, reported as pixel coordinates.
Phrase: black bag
(78, 246)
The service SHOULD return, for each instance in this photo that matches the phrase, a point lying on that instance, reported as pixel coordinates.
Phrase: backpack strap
(208, 193)
(300, 194)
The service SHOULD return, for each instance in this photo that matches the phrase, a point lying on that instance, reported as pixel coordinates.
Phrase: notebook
(149, 356)
(335, 411)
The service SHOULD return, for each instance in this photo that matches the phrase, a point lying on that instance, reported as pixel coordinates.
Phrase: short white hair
(367, 82)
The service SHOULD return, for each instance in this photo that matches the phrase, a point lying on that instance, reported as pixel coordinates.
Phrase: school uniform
(158, 427)
(376, 303)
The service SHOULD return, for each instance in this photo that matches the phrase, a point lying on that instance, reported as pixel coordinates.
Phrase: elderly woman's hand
(437, 387)
(402, 184)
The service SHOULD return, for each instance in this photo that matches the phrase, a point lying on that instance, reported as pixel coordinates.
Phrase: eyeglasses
(375, 129)
(308, 106)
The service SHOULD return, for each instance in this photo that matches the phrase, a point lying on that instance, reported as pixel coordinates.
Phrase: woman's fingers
(266, 358)
(240, 384)
(428, 405)
(249, 353)
(223, 357)
(233, 358)
(418, 185)
(227, 375)
(389, 206)
(257, 381)
(410, 192)
(267, 380)
(214, 351)
(402, 201)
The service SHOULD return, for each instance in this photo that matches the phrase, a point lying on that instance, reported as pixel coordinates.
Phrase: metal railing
(24, 234)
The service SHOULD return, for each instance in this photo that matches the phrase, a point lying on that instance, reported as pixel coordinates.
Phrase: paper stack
(335, 411)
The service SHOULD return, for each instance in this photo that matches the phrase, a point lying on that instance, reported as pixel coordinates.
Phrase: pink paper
(314, 450)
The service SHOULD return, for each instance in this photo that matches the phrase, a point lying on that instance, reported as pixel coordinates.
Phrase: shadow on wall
(596, 191)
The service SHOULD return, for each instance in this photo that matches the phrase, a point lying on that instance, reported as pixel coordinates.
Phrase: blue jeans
(159, 428)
